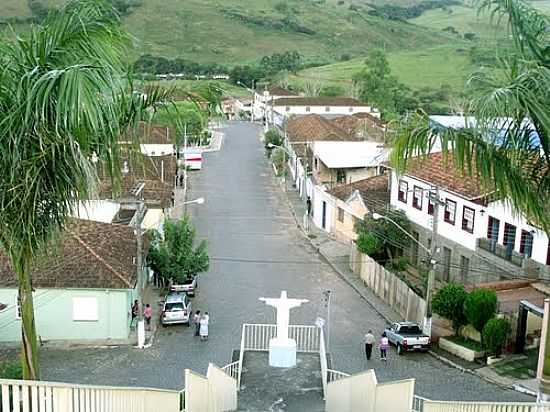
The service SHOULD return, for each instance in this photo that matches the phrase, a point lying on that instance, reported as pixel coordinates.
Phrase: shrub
(449, 303)
(368, 244)
(11, 370)
(398, 264)
(278, 158)
(479, 307)
(494, 335)
(273, 137)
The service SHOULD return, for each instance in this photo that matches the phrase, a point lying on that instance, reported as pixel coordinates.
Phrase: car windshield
(410, 330)
(174, 307)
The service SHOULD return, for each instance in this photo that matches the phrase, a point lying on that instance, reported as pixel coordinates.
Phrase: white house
(154, 140)
(480, 236)
(263, 96)
(278, 110)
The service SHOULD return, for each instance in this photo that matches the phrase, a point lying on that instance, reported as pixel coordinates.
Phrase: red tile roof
(374, 191)
(313, 127)
(89, 255)
(439, 170)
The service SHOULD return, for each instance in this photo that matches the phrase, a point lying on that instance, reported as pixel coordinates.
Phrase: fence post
(62, 399)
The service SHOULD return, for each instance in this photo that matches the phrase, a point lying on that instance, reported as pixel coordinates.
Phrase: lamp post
(427, 324)
(327, 294)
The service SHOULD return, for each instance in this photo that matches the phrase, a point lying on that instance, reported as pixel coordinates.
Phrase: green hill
(236, 31)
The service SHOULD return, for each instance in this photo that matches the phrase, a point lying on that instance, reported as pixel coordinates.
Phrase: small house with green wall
(84, 286)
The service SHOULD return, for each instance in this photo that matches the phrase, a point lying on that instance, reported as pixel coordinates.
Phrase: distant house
(154, 140)
(480, 236)
(337, 210)
(262, 97)
(363, 125)
(279, 110)
(84, 286)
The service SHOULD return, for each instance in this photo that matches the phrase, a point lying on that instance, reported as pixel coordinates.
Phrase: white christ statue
(282, 350)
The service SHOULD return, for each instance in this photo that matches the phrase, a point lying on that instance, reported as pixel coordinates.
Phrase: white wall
(322, 110)
(503, 211)
(422, 218)
(500, 210)
(97, 210)
(157, 149)
(320, 196)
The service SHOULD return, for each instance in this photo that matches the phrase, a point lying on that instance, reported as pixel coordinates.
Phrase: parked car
(176, 309)
(188, 286)
(407, 336)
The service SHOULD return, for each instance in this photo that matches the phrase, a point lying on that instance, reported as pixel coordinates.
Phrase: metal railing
(503, 252)
(333, 375)
(39, 396)
(425, 405)
(232, 369)
(323, 361)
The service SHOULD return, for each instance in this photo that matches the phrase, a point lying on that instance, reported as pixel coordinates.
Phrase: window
(417, 198)
(287, 108)
(340, 176)
(464, 267)
(341, 215)
(526, 243)
(509, 239)
(431, 204)
(450, 211)
(316, 163)
(327, 109)
(493, 227)
(403, 190)
(446, 264)
(308, 108)
(468, 218)
(85, 309)
(351, 109)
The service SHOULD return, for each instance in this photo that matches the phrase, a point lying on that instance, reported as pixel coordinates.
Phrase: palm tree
(508, 143)
(64, 95)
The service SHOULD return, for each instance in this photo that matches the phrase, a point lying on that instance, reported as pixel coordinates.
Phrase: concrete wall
(319, 197)
(54, 313)
(215, 393)
(223, 389)
(362, 392)
(327, 176)
(157, 149)
(321, 110)
(388, 286)
(97, 210)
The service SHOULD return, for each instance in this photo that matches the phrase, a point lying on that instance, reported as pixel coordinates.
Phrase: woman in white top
(203, 331)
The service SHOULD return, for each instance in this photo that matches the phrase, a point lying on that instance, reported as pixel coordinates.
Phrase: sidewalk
(153, 297)
(336, 253)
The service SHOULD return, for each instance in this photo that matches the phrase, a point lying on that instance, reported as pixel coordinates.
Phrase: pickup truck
(188, 286)
(407, 336)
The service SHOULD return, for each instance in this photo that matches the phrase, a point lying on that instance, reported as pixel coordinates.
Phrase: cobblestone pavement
(257, 250)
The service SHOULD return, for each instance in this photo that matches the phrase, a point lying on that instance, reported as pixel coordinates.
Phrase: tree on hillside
(174, 255)
(63, 96)
(511, 156)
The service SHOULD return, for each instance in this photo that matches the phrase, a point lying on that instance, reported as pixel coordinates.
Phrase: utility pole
(327, 294)
(140, 275)
(427, 326)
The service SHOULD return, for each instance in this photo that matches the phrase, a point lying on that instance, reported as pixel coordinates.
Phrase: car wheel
(399, 349)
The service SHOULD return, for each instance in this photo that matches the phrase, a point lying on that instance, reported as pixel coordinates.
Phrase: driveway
(256, 250)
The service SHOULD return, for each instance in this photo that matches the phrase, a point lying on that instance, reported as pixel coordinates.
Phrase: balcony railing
(503, 252)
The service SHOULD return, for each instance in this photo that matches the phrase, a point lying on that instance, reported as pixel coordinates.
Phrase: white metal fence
(425, 405)
(232, 369)
(333, 375)
(39, 396)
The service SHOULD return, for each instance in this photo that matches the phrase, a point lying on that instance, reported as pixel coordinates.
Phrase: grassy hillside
(429, 67)
(236, 31)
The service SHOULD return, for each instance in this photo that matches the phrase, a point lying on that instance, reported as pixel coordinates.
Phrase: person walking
(147, 315)
(383, 345)
(308, 205)
(197, 321)
(369, 342)
(135, 311)
(203, 331)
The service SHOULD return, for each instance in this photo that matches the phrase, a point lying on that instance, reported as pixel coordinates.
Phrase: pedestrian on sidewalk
(147, 315)
(203, 331)
(369, 342)
(135, 311)
(197, 321)
(181, 179)
(383, 345)
(308, 204)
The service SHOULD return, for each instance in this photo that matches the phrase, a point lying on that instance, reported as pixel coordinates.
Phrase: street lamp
(198, 201)
(427, 325)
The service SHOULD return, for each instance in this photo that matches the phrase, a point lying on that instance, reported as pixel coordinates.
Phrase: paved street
(257, 250)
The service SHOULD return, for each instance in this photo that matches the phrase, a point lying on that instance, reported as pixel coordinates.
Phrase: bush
(398, 264)
(449, 303)
(368, 244)
(479, 307)
(494, 335)
(11, 370)
(278, 158)
(272, 136)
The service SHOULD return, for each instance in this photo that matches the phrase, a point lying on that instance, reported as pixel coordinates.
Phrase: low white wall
(223, 389)
(459, 350)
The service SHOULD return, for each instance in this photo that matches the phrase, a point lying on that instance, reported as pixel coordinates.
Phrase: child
(384, 343)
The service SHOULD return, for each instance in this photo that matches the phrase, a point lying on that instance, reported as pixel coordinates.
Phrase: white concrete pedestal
(141, 334)
(282, 353)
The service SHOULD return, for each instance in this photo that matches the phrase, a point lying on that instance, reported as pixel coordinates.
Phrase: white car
(176, 309)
